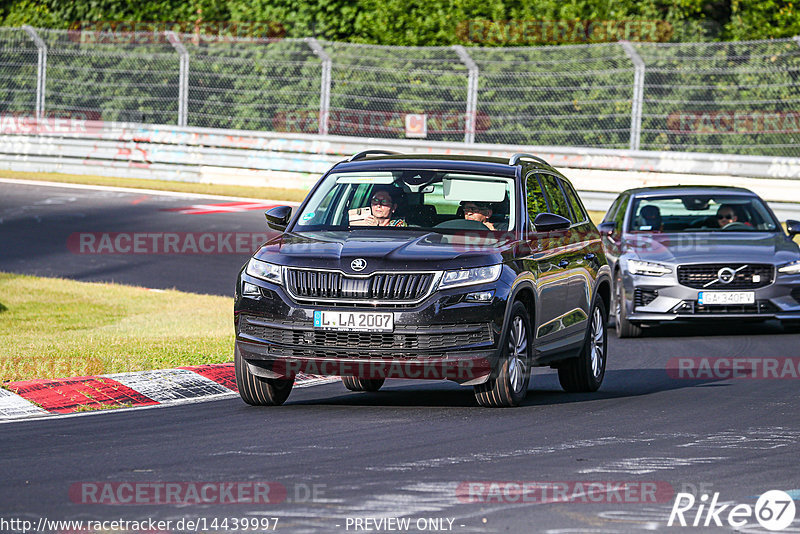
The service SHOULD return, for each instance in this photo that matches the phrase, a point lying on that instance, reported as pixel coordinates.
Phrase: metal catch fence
(731, 97)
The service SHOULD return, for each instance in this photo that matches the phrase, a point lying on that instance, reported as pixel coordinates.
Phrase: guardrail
(297, 160)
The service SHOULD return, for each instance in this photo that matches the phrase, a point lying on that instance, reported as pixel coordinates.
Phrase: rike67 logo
(774, 510)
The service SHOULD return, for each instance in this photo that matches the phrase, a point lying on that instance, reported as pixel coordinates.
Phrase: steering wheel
(735, 225)
(462, 224)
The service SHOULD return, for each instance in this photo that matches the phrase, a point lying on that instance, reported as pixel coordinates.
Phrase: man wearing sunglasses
(726, 215)
(478, 211)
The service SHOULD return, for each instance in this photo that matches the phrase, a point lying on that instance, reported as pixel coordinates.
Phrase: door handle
(563, 263)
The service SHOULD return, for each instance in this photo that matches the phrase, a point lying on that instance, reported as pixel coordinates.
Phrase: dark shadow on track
(545, 390)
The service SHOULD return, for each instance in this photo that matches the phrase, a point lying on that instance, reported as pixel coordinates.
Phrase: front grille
(424, 338)
(691, 307)
(796, 294)
(313, 285)
(643, 297)
(294, 352)
(748, 276)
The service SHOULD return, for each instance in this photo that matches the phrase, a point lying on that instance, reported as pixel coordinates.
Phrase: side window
(558, 203)
(574, 202)
(612, 211)
(619, 218)
(535, 197)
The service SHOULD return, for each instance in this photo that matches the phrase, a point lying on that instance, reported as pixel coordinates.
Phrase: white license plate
(726, 297)
(354, 321)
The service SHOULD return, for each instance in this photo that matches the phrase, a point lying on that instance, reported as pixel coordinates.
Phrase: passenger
(726, 215)
(383, 205)
(478, 211)
(651, 216)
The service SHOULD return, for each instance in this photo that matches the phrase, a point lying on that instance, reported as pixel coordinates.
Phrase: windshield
(700, 213)
(429, 200)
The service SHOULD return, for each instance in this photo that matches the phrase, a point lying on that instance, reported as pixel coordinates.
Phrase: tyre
(510, 386)
(791, 327)
(623, 327)
(585, 373)
(362, 384)
(259, 391)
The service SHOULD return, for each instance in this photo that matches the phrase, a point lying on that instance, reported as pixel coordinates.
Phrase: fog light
(479, 296)
(251, 290)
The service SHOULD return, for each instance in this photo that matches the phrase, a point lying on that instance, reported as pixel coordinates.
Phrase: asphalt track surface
(408, 450)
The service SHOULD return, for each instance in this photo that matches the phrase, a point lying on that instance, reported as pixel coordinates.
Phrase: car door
(612, 244)
(549, 262)
(585, 251)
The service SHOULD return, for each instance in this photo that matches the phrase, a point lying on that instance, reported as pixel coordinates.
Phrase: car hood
(385, 249)
(760, 247)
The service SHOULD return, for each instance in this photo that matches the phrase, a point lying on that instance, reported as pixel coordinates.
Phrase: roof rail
(516, 157)
(365, 153)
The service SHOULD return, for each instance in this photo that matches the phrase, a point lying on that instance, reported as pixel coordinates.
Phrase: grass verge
(56, 328)
(266, 193)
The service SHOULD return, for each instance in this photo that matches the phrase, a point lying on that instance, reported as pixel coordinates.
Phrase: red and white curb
(44, 397)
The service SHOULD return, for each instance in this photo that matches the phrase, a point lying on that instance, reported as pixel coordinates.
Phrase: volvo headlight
(467, 277)
(790, 268)
(264, 271)
(647, 268)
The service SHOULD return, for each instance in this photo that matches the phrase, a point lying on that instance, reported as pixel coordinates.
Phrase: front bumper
(443, 337)
(660, 299)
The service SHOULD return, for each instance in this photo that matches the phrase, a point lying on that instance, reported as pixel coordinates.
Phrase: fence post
(183, 80)
(472, 93)
(325, 84)
(638, 93)
(41, 71)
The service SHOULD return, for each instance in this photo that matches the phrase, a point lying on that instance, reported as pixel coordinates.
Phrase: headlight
(647, 268)
(790, 268)
(466, 277)
(265, 271)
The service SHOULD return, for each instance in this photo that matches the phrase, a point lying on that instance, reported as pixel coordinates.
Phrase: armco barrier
(297, 160)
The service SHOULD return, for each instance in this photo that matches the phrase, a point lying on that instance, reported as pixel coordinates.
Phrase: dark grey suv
(699, 253)
(443, 267)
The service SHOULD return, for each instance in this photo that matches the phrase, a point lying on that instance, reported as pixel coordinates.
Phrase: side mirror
(546, 222)
(278, 217)
(607, 228)
(793, 227)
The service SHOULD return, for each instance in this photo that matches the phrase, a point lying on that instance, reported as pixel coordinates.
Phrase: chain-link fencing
(732, 97)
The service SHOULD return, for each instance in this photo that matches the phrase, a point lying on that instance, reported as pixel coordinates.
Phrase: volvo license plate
(726, 297)
(354, 321)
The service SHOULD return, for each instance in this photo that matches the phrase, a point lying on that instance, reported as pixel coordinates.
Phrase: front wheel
(510, 386)
(259, 391)
(791, 326)
(585, 373)
(362, 384)
(623, 326)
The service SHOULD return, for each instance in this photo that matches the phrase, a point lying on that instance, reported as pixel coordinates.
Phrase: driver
(478, 211)
(726, 215)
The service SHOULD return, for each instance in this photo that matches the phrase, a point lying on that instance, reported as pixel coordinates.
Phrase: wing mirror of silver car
(546, 222)
(278, 217)
(793, 227)
(607, 228)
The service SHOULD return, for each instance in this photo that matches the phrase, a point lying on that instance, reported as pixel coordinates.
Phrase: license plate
(726, 297)
(355, 321)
